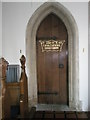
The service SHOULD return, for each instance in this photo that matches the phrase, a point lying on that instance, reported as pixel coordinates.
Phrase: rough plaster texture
(73, 48)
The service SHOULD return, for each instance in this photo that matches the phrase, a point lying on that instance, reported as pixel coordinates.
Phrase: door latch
(61, 66)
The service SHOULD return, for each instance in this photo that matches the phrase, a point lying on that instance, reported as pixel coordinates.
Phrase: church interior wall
(15, 17)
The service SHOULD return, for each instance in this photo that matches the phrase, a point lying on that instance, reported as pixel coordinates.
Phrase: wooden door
(52, 74)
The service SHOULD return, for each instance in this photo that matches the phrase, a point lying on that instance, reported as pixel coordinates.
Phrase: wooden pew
(23, 89)
(14, 94)
(5, 97)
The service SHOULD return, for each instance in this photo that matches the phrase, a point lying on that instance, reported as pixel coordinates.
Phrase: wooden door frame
(73, 48)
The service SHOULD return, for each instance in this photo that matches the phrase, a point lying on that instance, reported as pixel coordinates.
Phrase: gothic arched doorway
(73, 51)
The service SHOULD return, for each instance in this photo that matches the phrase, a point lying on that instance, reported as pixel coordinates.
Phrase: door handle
(61, 66)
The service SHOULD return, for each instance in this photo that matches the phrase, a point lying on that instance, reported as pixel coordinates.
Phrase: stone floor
(60, 115)
(39, 113)
(53, 107)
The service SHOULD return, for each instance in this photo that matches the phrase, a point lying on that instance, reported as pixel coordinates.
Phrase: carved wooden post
(5, 102)
(23, 89)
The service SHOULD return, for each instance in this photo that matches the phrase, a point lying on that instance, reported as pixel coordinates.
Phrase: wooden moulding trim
(13, 84)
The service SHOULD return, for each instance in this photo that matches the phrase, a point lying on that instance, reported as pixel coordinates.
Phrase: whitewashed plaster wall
(89, 60)
(15, 17)
(0, 29)
(0, 56)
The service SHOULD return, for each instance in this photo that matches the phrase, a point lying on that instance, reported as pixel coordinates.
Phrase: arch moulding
(73, 51)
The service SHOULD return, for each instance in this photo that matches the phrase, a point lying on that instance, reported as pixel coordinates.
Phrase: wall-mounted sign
(51, 45)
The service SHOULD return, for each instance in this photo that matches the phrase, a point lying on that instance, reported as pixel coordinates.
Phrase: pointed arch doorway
(52, 71)
(73, 52)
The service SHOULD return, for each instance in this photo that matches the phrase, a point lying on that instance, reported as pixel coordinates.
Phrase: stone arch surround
(73, 51)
